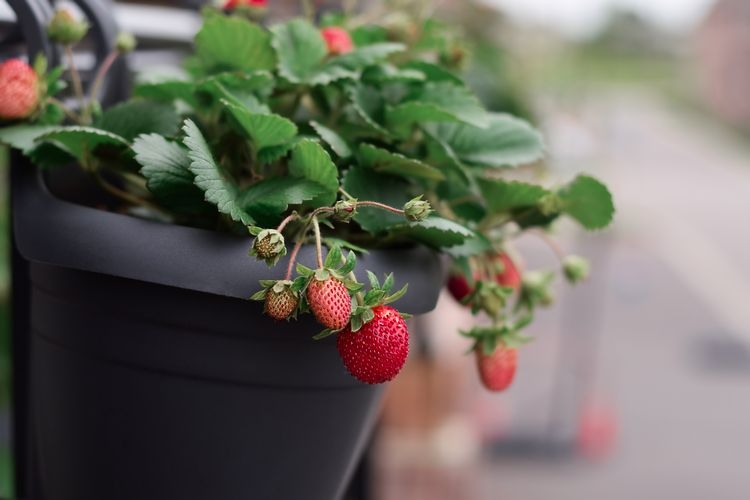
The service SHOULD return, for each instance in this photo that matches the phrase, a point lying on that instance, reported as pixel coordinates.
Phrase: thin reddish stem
(318, 242)
(293, 257)
(287, 220)
(99, 81)
(382, 206)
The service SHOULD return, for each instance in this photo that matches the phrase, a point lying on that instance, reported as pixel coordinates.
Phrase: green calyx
(417, 209)
(125, 42)
(536, 289)
(345, 210)
(575, 268)
(488, 338)
(65, 29)
(378, 295)
(268, 246)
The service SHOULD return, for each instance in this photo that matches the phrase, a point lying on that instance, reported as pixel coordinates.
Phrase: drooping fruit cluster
(495, 280)
(373, 339)
(19, 90)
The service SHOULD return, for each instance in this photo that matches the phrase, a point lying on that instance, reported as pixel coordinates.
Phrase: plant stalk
(293, 256)
(318, 244)
(96, 86)
(382, 206)
(75, 77)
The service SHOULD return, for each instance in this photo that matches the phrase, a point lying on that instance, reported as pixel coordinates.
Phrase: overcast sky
(580, 17)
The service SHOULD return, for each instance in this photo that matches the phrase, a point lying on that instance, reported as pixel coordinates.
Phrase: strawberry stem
(318, 244)
(68, 112)
(293, 256)
(98, 82)
(382, 206)
(287, 220)
(348, 196)
(75, 78)
(551, 243)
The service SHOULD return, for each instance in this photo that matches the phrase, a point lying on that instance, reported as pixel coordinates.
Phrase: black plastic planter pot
(153, 378)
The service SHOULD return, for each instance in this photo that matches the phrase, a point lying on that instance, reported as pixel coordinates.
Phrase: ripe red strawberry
(19, 90)
(497, 369)
(510, 275)
(459, 287)
(376, 352)
(338, 40)
(330, 302)
(233, 4)
(280, 305)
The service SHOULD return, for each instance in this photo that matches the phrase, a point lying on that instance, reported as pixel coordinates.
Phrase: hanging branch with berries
(343, 135)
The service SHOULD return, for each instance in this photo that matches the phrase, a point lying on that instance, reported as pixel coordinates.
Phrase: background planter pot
(153, 378)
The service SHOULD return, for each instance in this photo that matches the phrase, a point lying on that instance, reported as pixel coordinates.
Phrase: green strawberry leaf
(402, 119)
(271, 154)
(233, 44)
(310, 161)
(300, 49)
(23, 137)
(166, 167)
(507, 141)
(367, 185)
(167, 91)
(264, 130)
(433, 72)
(382, 160)
(368, 105)
(588, 201)
(476, 245)
(380, 74)
(218, 190)
(333, 259)
(133, 118)
(268, 199)
(80, 143)
(501, 195)
(439, 102)
(436, 232)
(337, 144)
(367, 55)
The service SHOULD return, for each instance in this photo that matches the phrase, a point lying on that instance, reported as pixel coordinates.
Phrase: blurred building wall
(724, 60)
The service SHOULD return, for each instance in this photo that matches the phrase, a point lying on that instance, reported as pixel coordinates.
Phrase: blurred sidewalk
(669, 296)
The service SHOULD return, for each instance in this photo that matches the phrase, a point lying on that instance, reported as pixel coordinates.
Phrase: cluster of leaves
(268, 123)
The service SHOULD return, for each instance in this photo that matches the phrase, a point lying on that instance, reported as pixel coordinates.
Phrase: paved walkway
(670, 300)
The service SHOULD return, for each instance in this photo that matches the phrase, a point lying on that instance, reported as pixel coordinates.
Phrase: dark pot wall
(141, 391)
(153, 378)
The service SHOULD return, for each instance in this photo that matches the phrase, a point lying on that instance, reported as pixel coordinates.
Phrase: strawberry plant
(345, 135)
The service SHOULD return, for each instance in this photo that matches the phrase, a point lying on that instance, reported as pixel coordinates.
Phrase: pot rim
(53, 231)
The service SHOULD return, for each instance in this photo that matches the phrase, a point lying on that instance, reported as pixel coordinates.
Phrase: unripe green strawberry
(330, 302)
(345, 210)
(125, 42)
(576, 268)
(65, 29)
(417, 209)
(496, 370)
(19, 90)
(281, 301)
(376, 352)
(269, 246)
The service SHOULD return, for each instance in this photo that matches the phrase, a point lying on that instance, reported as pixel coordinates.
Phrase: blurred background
(638, 384)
